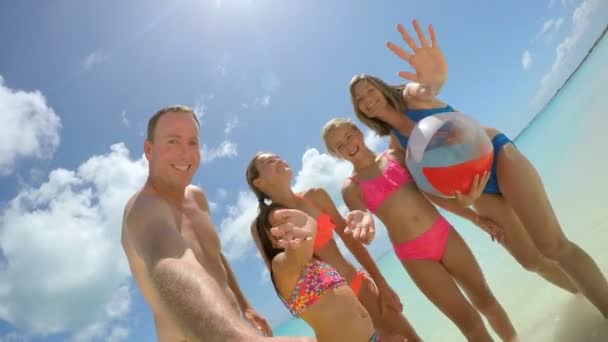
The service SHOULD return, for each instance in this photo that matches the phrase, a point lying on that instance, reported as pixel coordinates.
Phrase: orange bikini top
(325, 227)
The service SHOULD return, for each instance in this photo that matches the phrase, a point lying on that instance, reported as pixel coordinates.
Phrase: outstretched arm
(467, 213)
(190, 294)
(427, 60)
(355, 247)
(254, 318)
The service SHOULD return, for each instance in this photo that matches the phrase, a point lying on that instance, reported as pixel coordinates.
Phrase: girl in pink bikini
(269, 177)
(431, 251)
(311, 289)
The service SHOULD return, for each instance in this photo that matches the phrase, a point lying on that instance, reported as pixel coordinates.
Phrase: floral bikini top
(315, 280)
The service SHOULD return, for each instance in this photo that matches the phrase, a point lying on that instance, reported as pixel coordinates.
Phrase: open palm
(427, 59)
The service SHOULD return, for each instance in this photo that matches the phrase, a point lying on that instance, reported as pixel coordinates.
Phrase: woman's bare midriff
(339, 316)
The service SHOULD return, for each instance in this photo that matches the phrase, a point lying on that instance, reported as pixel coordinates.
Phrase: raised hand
(291, 227)
(427, 59)
(361, 225)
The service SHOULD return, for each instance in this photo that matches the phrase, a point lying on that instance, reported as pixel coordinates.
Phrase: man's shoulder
(198, 194)
(144, 204)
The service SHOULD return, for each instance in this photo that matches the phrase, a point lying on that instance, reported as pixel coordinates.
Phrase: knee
(532, 264)
(470, 324)
(556, 250)
(486, 304)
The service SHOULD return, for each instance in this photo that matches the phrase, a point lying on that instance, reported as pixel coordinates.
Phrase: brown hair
(174, 108)
(252, 173)
(262, 226)
(393, 95)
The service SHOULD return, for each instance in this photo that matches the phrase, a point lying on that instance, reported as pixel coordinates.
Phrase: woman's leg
(390, 322)
(523, 189)
(518, 242)
(460, 262)
(439, 287)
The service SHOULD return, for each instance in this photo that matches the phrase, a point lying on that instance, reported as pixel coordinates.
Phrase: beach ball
(445, 151)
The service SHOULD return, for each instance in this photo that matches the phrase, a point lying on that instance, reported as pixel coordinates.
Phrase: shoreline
(559, 90)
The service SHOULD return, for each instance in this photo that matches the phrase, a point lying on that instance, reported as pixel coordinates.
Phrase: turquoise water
(568, 144)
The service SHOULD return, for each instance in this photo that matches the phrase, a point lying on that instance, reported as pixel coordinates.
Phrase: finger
(476, 181)
(283, 215)
(433, 37)
(362, 234)
(348, 218)
(406, 37)
(294, 243)
(266, 328)
(458, 196)
(420, 34)
(281, 229)
(356, 233)
(399, 51)
(408, 76)
(487, 177)
(347, 230)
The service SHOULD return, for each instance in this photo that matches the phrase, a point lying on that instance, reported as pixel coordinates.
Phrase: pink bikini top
(377, 190)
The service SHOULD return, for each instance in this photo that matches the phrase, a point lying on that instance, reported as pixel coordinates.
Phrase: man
(172, 247)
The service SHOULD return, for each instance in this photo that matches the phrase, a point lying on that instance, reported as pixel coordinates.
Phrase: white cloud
(93, 59)
(66, 270)
(118, 333)
(200, 109)
(567, 3)
(553, 79)
(13, 336)
(526, 60)
(547, 25)
(234, 228)
(124, 119)
(318, 170)
(221, 69)
(222, 193)
(375, 142)
(30, 128)
(263, 101)
(226, 149)
(549, 29)
(231, 124)
(264, 276)
(558, 23)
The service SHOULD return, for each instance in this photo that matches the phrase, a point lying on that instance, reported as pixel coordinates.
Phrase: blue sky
(78, 81)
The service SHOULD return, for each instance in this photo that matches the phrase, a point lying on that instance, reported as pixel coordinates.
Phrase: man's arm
(188, 292)
(234, 285)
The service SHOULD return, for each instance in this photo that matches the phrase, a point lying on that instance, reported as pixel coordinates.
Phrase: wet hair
(153, 121)
(330, 126)
(393, 94)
